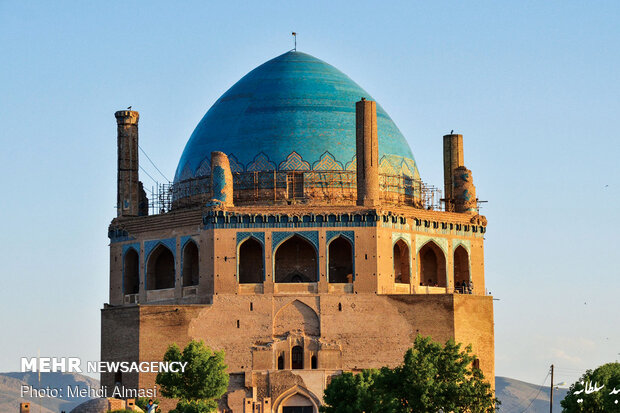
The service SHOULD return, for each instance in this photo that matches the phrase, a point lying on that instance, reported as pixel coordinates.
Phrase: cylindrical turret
(128, 190)
(221, 179)
(367, 153)
(452, 159)
(464, 191)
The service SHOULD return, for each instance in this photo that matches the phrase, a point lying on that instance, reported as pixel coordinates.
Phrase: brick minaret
(452, 159)
(367, 153)
(128, 190)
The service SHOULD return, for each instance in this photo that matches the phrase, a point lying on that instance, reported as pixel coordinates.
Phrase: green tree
(204, 381)
(601, 400)
(432, 378)
(350, 393)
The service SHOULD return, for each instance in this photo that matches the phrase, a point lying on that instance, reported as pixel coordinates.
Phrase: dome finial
(295, 40)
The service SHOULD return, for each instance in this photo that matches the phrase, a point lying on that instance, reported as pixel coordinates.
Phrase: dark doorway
(401, 262)
(131, 271)
(251, 267)
(340, 261)
(461, 269)
(432, 266)
(295, 261)
(190, 264)
(160, 269)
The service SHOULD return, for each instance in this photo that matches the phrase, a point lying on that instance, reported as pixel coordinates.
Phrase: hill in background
(518, 396)
(11, 384)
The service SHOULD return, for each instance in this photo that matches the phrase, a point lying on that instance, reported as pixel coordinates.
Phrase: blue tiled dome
(294, 112)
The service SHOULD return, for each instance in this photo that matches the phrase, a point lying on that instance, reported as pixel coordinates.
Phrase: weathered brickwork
(293, 281)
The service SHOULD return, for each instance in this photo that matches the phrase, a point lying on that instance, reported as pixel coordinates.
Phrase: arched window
(314, 363)
(281, 362)
(401, 262)
(190, 264)
(340, 261)
(131, 271)
(461, 269)
(297, 358)
(160, 269)
(432, 264)
(295, 261)
(251, 268)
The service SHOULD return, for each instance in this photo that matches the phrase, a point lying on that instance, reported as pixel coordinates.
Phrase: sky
(533, 86)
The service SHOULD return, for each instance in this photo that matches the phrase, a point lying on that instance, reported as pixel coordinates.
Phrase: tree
(204, 381)
(350, 393)
(601, 400)
(432, 378)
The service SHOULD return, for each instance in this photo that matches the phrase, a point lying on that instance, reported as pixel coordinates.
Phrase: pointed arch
(251, 261)
(131, 271)
(160, 271)
(299, 397)
(296, 316)
(295, 260)
(190, 259)
(432, 265)
(340, 260)
(401, 257)
(461, 269)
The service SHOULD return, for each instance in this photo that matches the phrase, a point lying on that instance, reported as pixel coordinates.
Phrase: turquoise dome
(294, 112)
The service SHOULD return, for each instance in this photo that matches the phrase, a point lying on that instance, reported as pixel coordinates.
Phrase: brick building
(297, 237)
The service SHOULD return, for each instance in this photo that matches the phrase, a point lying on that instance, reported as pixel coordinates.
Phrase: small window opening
(238, 324)
(281, 362)
(339, 306)
(297, 358)
(314, 362)
(251, 307)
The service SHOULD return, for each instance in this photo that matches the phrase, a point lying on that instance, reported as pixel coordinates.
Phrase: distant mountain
(518, 396)
(11, 385)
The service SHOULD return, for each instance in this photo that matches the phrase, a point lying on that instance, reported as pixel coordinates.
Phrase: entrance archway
(295, 261)
(160, 269)
(340, 261)
(251, 267)
(432, 262)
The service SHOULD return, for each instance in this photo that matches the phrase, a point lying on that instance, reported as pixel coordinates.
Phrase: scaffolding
(281, 187)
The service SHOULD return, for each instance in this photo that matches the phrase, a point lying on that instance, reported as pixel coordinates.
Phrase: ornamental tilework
(235, 166)
(352, 165)
(386, 167)
(186, 173)
(242, 236)
(327, 162)
(278, 237)
(135, 246)
(294, 162)
(184, 240)
(149, 246)
(350, 235)
(261, 163)
(204, 169)
(421, 240)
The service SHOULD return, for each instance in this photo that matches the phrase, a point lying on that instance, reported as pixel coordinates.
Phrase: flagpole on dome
(295, 40)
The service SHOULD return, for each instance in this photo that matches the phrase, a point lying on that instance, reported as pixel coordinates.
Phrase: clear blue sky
(533, 86)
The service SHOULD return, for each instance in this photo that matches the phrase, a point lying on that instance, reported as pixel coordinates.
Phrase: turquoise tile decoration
(294, 112)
